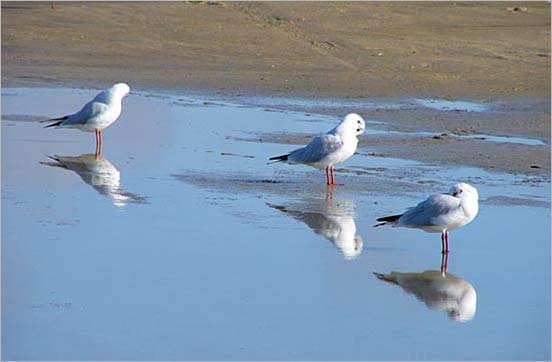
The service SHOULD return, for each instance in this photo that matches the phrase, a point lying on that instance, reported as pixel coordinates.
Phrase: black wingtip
(390, 218)
(59, 120)
(54, 124)
(279, 158)
(387, 219)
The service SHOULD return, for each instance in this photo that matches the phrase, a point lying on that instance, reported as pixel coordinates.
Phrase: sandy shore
(486, 52)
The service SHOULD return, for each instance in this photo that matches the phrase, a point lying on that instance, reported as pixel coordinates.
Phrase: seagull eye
(358, 122)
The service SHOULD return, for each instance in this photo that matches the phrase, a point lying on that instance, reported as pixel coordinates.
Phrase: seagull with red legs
(440, 213)
(97, 114)
(324, 151)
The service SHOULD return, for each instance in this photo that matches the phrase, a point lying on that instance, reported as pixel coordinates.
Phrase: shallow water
(182, 243)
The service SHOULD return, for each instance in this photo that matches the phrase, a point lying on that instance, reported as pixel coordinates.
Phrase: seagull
(329, 149)
(440, 213)
(97, 114)
(439, 291)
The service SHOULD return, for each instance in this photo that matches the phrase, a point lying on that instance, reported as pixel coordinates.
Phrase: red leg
(333, 176)
(328, 176)
(447, 240)
(97, 142)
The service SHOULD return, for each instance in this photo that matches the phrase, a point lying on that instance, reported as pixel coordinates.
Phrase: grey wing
(90, 110)
(320, 147)
(427, 211)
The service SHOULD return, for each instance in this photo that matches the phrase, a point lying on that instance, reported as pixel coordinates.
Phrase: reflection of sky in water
(446, 105)
(483, 137)
(384, 104)
(212, 272)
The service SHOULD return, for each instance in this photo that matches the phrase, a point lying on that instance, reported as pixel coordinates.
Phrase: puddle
(447, 105)
(181, 238)
(365, 104)
(503, 139)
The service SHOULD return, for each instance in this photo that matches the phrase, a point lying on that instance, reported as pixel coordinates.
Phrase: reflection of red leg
(444, 262)
(329, 193)
(97, 153)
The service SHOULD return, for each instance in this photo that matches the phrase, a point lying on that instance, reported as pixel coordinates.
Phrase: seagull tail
(387, 220)
(59, 120)
(280, 158)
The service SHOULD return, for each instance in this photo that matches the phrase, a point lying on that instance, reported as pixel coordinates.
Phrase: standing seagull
(333, 147)
(97, 114)
(440, 213)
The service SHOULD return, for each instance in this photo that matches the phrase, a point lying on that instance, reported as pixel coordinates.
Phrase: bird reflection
(99, 173)
(331, 218)
(439, 290)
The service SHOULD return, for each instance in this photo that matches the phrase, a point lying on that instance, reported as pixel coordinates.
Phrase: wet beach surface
(182, 243)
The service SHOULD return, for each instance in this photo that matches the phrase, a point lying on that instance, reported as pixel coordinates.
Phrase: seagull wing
(428, 212)
(90, 110)
(320, 147)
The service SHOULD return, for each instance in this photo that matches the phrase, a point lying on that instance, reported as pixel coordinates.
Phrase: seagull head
(352, 124)
(463, 189)
(120, 89)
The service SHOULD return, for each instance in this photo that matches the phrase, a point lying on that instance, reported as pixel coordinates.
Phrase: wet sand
(485, 52)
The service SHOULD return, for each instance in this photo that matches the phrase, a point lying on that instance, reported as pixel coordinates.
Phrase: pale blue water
(448, 105)
(190, 247)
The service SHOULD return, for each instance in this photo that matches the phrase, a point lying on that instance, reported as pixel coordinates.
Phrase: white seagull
(440, 213)
(329, 149)
(97, 114)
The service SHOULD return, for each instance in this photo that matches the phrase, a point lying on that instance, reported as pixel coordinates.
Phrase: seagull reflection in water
(99, 173)
(331, 218)
(439, 290)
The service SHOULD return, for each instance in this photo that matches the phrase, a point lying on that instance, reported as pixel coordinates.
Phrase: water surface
(182, 243)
